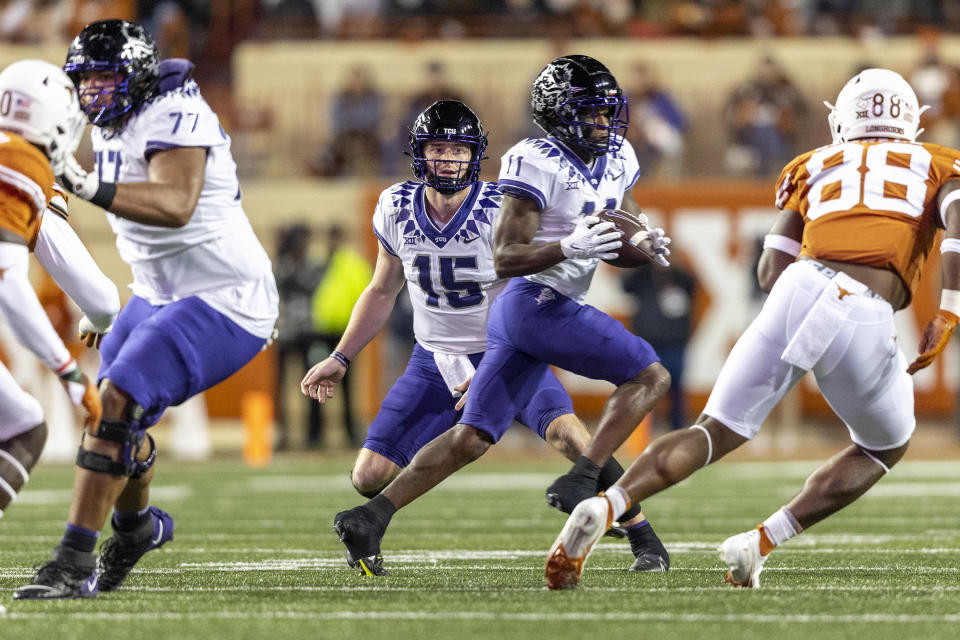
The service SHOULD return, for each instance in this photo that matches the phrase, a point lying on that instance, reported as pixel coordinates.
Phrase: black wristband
(339, 357)
(105, 194)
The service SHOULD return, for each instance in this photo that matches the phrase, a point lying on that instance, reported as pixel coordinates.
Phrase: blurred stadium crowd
(335, 111)
(30, 20)
(763, 117)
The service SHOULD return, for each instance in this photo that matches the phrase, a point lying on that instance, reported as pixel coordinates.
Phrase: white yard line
(161, 493)
(498, 589)
(538, 617)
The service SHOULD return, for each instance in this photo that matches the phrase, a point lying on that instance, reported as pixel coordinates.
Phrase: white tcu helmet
(38, 101)
(875, 103)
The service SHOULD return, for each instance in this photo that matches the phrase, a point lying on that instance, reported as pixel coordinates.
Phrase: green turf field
(253, 557)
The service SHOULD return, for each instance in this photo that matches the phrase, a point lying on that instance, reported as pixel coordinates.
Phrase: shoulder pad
(173, 74)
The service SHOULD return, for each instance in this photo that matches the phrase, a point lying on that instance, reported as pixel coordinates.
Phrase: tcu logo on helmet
(135, 47)
(551, 86)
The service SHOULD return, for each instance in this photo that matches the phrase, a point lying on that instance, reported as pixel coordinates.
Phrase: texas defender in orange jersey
(861, 214)
(40, 124)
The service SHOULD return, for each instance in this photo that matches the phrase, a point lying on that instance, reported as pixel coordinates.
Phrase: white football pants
(859, 368)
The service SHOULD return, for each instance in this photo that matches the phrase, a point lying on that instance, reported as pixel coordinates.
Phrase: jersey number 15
(459, 293)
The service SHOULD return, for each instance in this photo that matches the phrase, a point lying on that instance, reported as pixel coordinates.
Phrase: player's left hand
(462, 388)
(660, 240)
(90, 334)
(84, 394)
(78, 181)
(936, 335)
(322, 378)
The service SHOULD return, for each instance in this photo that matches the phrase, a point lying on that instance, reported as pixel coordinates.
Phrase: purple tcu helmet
(124, 48)
(569, 96)
(448, 120)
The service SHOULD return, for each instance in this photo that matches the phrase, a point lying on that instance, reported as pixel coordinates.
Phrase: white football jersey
(216, 255)
(566, 189)
(449, 271)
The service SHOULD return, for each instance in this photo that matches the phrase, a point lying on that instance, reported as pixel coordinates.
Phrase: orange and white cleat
(741, 553)
(587, 524)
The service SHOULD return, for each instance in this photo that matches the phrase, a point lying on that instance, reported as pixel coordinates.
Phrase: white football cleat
(587, 524)
(741, 553)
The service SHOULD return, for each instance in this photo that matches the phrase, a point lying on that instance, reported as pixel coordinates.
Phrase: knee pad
(130, 438)
(18, 455)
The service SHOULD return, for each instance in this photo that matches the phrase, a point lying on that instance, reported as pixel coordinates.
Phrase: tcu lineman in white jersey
(523, 339)
(436, 234)
(862, 214)
(39, 129)
(204, 299)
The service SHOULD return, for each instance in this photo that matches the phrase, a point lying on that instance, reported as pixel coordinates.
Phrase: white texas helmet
(875, 103)
(38, 102)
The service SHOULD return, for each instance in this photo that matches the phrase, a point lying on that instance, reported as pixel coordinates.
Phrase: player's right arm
(369, 315)
(516, 224)
(528, 179)
(782, 244)
(167, 198)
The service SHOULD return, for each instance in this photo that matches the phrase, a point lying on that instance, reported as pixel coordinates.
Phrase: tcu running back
(436, 235)
(544, 230)
(862, 214)
(204, 298)
(40, 126)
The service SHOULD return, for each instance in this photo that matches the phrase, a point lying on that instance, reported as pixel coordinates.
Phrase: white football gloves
(90, 334)
(86, 185)
(76, 180)
(592, 239)
(660, 241)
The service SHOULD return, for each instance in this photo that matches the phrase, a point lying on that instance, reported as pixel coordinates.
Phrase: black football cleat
(359, 531)
(648, 550)
(650, 562)
(121, 552)
(69, 574)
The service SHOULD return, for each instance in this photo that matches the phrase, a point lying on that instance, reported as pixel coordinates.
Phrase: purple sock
(79, 538)
(130, 521)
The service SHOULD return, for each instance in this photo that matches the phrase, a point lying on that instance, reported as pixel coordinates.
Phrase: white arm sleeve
(23, 311)
(60, 252)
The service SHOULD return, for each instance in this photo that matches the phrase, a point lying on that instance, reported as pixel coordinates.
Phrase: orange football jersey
(26, 185)
(870, 202)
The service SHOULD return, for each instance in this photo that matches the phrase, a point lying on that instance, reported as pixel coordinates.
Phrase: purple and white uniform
(540, 320)
(452, 284)
(204, 299)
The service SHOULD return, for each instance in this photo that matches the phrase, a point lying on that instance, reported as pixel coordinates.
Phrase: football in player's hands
(638, 248)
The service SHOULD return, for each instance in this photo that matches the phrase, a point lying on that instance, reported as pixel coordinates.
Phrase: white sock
(619, 500)
(781, 526)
